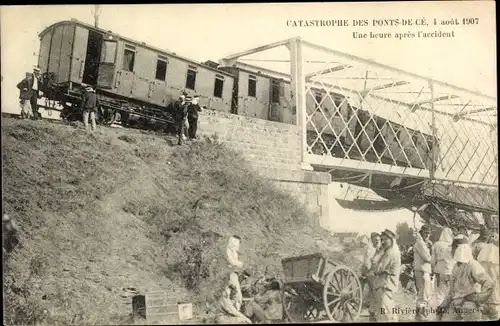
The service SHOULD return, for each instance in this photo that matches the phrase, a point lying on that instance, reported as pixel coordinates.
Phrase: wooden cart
(316, 288)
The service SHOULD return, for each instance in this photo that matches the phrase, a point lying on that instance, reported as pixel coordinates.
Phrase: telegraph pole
(96, 12)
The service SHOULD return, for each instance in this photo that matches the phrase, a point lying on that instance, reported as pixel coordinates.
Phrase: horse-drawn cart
(316, 288)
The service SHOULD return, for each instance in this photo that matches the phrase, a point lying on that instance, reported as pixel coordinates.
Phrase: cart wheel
(342, 294)
(311, 313)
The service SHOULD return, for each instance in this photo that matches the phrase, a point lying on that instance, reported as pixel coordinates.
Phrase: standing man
(373, 253)
(423, 271)
(480, 242)
(89, 107)
(36, 93)
(488, 257)
(386, 282)
(442, 262)
(25, 94)
(235, 266)
(192, 117)
(180, 111)
(185, 136)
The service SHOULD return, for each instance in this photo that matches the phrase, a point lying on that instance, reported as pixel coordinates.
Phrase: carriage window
(108, 52)
(398, 133)
(338, 101)
(318, 97)
(415, 139)
(219, 86)
(191, 77)
(161, 69)
(129, 58)
(275, 92)
(252, 86)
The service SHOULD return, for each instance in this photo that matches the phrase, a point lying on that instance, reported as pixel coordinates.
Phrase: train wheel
(107, 116)
(342, 294)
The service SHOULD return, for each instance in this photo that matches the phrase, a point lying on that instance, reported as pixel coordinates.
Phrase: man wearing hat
(373, 252)
(422, 266)
(442, 262)
(488, 257)
(192, 117)
(25, 95)
(36, 93)
(179, 114)
(89, 107)
(464, 301)
(185, 135)
(386, 281)
(481, 241)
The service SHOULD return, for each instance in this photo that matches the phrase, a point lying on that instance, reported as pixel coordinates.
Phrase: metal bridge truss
(358, 115)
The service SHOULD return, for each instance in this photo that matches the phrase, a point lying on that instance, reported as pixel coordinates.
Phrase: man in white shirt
(235, 266)
(422, 266)
(36, 93)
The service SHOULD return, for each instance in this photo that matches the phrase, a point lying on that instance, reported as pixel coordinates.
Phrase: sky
(212, 31)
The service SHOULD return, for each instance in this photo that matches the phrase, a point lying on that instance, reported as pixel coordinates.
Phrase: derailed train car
(132, 79)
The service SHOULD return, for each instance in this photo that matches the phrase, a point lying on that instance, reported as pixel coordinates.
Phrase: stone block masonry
(273, 150)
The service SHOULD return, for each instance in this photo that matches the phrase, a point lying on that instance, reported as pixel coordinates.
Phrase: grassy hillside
(123, 208)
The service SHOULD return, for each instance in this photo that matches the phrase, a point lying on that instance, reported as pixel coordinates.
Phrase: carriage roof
(129, 40)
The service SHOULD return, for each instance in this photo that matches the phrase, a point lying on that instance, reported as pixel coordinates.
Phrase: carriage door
(107, 64)
(274, 113)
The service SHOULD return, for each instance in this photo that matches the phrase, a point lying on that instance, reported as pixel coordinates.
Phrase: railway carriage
(130, 77)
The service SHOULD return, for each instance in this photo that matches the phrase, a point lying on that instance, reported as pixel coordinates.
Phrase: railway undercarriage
(67, 97)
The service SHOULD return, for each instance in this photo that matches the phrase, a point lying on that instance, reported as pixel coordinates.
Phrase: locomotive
(136, 83)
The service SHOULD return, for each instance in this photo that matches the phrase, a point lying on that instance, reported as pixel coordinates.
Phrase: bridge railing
(356, 114)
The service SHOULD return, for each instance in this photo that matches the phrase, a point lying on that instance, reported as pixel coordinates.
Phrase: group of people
(233, 308)
(380, 270)
(185, 111)
(29, 93)
(466, 275)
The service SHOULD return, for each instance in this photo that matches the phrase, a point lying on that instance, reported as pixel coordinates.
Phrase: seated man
(266, 304)
(464, 302)
(228, 313)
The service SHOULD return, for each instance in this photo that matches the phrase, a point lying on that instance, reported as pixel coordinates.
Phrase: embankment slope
(124, 208)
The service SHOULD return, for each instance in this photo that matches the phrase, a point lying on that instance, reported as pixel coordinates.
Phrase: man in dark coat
(25, 94)
(89, 107)
(180, 112)
(192, 116)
